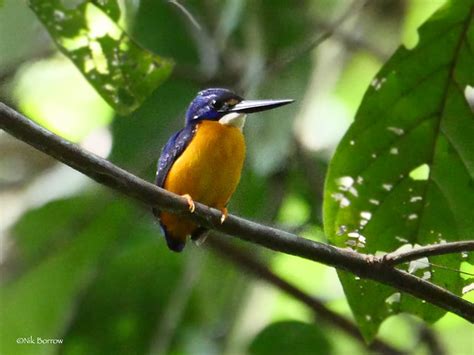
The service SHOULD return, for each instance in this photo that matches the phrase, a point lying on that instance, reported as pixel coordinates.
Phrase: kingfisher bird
(203, 161)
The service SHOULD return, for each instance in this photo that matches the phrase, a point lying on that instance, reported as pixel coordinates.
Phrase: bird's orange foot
(190, 202)
(224, 214)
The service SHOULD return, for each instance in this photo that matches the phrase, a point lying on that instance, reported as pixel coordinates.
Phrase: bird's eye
(216, 104)
(223, 105)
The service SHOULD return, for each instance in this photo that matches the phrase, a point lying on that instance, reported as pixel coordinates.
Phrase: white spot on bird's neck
(233, 119)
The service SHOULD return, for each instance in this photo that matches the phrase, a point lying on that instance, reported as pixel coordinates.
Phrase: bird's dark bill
(250, 106)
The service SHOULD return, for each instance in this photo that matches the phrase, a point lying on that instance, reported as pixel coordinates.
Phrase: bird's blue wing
(172, 150)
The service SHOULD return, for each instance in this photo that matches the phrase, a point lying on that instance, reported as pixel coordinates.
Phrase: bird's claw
(224, 215)
(189, 200)
(370, 259)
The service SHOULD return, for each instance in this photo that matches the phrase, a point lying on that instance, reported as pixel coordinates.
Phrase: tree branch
(116, 178)
(229, 252)
(429, 250)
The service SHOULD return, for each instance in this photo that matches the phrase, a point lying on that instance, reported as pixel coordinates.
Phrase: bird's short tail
(174, 244)
(176, 229)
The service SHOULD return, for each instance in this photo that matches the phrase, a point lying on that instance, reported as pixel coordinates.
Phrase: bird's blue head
(213, 104)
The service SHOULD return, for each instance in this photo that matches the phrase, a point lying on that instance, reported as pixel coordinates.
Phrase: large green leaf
(404, 172)
(121, 71)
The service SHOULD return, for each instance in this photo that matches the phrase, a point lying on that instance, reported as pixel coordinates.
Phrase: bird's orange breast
(209, 170)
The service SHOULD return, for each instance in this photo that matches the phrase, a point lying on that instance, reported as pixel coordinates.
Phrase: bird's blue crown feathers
(209, 104)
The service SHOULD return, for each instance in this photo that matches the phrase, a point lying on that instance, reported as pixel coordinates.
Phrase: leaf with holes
(121, 71)
(403, 175)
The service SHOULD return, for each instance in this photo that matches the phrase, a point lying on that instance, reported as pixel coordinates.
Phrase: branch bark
(118, 179)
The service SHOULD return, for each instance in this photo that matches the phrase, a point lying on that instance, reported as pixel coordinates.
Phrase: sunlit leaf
(110, 7)
(121, 71)
(290, 337)
(404, 173)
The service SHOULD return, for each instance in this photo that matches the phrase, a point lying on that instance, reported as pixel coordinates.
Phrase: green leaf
(404, 173)
(290, 337)
(121, 71)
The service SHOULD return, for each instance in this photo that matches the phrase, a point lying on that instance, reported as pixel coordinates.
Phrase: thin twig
(229, 252)
(205, 44)
(351, 41)
(429, 250)
(186, 12)
(313, 42)
(118, 179)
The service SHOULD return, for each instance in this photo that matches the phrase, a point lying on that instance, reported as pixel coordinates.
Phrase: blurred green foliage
(290, 338)
(92, 268)
(74, 116)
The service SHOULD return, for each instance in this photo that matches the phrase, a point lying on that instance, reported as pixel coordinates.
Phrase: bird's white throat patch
(233, 119)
